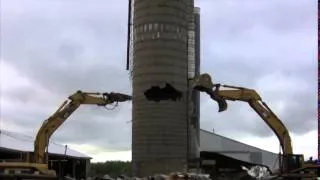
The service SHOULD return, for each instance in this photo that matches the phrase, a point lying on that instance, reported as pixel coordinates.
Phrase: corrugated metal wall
(216, 143)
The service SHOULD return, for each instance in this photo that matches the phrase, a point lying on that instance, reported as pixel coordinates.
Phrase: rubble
(258, 172)
(171, 176)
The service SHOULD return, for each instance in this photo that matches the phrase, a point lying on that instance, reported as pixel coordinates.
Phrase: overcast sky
(51, 48)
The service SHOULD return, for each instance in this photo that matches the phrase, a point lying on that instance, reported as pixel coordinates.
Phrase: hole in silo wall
(156, 93)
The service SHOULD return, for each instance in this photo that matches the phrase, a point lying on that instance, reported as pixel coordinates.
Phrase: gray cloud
(67, 45)
(107, 129)
(95, 125)
(292, 98)
(254, 40)
(63, 46)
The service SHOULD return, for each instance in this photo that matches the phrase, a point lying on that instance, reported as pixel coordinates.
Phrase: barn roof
(20, 142)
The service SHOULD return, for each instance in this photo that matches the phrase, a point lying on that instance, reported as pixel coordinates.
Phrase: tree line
(112, 168)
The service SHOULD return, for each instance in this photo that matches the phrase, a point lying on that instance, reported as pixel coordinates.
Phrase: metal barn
(16, 147)
(211, 142)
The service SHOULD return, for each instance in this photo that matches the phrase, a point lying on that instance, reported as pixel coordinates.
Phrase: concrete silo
(160, 55)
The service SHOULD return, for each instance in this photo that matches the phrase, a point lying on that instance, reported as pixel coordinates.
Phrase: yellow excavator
(37, 167)
(292, 166)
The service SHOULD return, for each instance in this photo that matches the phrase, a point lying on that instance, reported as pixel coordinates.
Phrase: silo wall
(159, 129)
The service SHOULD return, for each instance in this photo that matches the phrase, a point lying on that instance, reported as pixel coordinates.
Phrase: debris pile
(171, 176)
(257, 172)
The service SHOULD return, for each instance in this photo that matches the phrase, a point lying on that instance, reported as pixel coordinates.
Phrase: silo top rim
(196, 10)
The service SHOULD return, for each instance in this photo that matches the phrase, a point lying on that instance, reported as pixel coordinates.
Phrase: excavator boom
(50, 125)
(204, 83)
(38, 168)
(232, 93)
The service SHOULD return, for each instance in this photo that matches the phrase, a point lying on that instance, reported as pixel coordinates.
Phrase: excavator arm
(50, 125)
(38, 169)
(204, 83)
(291, 165)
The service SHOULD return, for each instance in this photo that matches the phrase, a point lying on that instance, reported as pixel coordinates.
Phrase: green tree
(112, 168)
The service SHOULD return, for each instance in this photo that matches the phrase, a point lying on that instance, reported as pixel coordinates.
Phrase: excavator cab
(292, 161)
